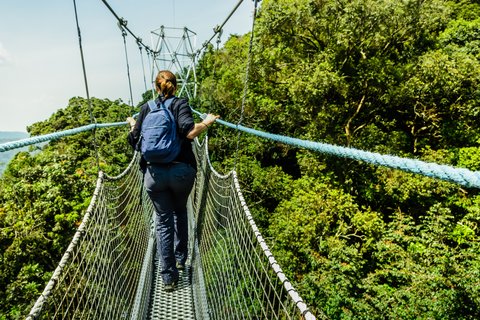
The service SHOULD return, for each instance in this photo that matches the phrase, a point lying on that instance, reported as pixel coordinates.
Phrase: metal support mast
(175, 51)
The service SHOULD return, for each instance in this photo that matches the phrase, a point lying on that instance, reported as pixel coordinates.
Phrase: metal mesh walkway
(178, 304)
(174, 305)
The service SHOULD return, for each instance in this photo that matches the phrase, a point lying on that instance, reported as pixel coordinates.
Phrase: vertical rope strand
(214, 72)
(143, 65)
(124, 35)
(90, 108)
(151, 66)
(245, 87)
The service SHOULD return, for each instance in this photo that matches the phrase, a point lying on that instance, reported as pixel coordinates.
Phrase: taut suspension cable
(219, 40)
(126, 28)
(122, 25)
(214, 72)
(245, 87)
(219, 28)
(143, 65)
(151, 63)
(92, 119)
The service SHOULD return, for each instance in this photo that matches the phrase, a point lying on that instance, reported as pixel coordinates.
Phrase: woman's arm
(135, 127)
(202, 126)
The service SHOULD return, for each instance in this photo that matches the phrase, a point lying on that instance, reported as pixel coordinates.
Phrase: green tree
(45, 193)
(386, 76)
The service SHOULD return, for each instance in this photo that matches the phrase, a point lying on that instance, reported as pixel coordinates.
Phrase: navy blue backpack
(160, 142)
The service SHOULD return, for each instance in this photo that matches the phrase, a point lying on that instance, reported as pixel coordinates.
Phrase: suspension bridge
(110, 268)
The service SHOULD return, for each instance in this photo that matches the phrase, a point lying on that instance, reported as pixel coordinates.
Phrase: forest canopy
(393, 77)
(45, 193)
(358, 241)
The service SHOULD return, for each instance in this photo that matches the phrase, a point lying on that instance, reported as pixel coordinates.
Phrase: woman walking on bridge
(169, 180)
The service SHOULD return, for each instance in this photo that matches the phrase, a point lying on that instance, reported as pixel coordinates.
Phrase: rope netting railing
(235, 276)
(106, 272)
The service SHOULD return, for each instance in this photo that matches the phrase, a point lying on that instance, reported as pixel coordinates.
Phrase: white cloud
(4, 55)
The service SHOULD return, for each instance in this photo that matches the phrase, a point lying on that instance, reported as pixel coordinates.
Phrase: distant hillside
(7, 136)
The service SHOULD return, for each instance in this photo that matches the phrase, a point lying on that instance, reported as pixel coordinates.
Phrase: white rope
(109, 258)
(241, 277)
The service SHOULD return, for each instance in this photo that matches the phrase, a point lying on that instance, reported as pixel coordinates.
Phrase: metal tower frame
(175, 51)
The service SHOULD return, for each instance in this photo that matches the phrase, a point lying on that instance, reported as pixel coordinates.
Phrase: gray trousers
(168, 186)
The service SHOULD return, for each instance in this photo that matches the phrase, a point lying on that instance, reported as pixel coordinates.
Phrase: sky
(40, 61)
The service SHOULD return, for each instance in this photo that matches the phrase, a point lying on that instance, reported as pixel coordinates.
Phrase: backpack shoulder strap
(152, 105)
(168, 105)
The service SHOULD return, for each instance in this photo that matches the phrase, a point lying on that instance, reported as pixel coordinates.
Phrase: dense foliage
(358, 241)
(44, 195)
(395, 77)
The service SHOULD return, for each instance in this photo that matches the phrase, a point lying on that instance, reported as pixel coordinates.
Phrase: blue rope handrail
(52, 136)
(460, 176)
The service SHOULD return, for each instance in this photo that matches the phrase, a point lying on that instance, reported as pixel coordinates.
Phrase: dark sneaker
(169, 287)
(180, 266)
